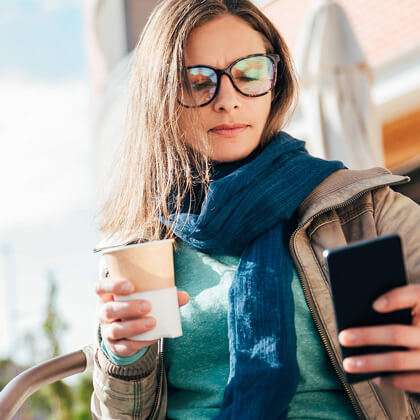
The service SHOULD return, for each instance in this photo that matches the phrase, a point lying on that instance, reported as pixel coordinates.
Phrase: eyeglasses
(253, 75)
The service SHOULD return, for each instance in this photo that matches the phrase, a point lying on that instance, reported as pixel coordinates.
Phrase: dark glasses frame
(275, 58)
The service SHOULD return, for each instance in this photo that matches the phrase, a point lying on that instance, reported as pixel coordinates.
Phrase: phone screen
(359, 273)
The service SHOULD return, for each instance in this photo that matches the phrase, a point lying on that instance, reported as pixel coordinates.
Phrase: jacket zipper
(309, 301)
(156, 402)
(324, 339)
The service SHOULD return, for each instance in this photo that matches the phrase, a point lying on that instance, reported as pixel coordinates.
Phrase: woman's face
(218, 43)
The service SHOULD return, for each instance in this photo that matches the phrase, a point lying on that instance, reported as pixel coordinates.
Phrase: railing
(15, 393)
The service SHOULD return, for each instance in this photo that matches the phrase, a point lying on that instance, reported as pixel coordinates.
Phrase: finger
(106, 297)
(407, 382)
(390, 361)
(126, 329)
(126, 348)
(399, 298)
(392, 334)
(111, 311)
(183, 298)
(114, 286)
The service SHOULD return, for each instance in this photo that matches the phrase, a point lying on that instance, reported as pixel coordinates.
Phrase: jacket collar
(343, 185)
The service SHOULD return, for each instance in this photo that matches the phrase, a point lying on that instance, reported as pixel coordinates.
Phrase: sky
(46, 172)
(42, 39)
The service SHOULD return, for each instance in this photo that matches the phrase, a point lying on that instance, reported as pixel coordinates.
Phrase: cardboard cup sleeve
(165, 309)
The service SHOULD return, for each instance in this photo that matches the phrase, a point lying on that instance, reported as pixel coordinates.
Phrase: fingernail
(127, 286)
(377, 381)
(150, 322)
(144, 306)
(346, 336)
(380, 304)
(353, 362)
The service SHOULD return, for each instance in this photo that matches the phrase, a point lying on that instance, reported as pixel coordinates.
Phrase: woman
(205, 162)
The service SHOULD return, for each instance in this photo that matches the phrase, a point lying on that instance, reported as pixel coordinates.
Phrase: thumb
(183, 298)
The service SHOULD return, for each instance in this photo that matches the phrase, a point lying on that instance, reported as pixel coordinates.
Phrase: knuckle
(397, 361)
(114, 331)
(139, 326)
(126, 310)
(108, 311)
(136, 327)
(395, 335)
(367, 362)
(362, 337)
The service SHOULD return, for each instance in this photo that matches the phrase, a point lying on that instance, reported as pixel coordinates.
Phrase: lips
(228, 126)
(229, 130)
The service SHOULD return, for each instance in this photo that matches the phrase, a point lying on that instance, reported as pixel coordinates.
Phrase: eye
(201, 86)
(247, 79)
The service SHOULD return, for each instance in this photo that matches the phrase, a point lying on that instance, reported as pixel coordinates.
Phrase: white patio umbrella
(339, 115)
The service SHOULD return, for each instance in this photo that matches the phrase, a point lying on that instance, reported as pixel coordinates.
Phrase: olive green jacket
(347, 206)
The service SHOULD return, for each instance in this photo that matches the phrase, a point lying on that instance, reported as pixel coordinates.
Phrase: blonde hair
(156, 169)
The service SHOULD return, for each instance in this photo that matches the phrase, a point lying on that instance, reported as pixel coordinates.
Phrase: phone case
(359, 273)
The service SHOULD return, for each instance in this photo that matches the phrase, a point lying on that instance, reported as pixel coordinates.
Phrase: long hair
(155, 169)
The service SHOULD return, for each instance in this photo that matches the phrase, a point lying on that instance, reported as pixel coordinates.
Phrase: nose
(227, 98)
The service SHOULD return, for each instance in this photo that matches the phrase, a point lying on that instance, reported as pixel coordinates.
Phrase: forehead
(222, 40)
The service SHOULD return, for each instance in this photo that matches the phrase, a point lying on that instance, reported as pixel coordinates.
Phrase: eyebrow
(236, 59)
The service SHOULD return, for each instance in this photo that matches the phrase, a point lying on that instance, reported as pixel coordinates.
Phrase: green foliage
(57, 401)
(53, 325)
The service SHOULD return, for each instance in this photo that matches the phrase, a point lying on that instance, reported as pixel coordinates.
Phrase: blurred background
(64, 68)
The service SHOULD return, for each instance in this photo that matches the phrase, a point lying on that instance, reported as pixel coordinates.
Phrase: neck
(220, 169)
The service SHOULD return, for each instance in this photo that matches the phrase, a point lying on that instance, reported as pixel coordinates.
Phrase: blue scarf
(248, 212)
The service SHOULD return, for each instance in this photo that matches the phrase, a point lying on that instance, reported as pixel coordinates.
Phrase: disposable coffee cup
(150, 268)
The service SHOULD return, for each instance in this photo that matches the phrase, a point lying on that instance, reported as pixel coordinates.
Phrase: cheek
(262, 106)
(206, 117)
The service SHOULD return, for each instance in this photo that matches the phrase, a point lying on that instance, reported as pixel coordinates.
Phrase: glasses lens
(202, 83)
(254, 75)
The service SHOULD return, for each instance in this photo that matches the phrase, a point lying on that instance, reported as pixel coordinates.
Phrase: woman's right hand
(122, 320)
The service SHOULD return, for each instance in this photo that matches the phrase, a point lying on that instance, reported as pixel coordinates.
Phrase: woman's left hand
(393, 334)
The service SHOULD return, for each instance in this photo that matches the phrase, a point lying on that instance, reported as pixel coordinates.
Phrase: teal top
(197, 363)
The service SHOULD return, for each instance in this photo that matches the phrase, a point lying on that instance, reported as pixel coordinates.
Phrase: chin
(231, 155)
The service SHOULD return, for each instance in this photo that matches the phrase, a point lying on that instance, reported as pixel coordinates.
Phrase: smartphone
(359, 273)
